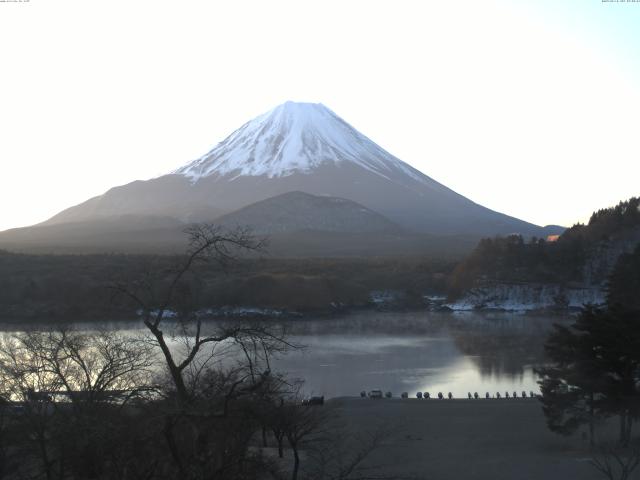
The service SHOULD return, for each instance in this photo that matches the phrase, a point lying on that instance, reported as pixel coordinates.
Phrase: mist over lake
(412, 352)
(404, 351)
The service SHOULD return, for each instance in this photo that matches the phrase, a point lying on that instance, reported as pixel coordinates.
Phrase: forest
(50, 288)
(556, 260)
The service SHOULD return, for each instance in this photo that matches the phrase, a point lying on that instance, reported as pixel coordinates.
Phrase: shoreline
(276, 314)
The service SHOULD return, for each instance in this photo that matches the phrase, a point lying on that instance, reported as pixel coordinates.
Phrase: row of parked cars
(376, 394)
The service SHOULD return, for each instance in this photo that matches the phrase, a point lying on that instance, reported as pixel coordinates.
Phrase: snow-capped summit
(293, 138)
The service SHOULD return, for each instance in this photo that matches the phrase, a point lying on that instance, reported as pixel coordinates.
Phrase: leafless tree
(220, 371)
(84, 367)
(323, 446)
(616, 462)
(8, 463)
(206, 243)
(302, 425)
(70, 388)
(337, 451)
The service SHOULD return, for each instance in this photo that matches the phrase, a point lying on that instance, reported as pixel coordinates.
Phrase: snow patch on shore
(228, 311)
(527, 297)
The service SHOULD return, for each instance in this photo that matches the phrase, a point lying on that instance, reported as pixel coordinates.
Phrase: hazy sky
(531, 108)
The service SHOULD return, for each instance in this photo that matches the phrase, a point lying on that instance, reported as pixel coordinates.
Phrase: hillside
(299, 211)
(581, 259)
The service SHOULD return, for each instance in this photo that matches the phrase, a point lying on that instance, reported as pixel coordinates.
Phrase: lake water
(419, 351)
(435, 352)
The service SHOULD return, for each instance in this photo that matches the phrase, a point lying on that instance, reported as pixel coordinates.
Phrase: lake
(435, 352)
(416, 351)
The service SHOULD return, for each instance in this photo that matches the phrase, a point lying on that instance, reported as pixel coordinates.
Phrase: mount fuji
(296, 147)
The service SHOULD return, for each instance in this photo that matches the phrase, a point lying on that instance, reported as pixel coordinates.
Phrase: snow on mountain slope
(294, 138)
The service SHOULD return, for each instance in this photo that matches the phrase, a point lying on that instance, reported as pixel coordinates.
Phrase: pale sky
(531, 108)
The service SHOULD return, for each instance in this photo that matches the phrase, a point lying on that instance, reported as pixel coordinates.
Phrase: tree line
(537, 260)
(62, 288)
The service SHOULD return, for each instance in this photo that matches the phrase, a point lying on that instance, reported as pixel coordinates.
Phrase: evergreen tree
(624, 283)
(571, 386)
(595, 370)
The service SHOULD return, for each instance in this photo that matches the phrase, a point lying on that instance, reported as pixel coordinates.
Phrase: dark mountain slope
(298, 211)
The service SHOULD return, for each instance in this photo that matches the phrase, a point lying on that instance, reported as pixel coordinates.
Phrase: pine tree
(595, 369)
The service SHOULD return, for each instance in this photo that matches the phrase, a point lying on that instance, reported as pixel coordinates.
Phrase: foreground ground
(469, 439)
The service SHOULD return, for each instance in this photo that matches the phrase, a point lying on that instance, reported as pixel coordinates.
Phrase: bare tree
(220, 371)
(323, 446)
(8, 462)
(206, 243)
(70, 388)
(616, 462)
(85, 367)
(303, 423)
(345, 455)
(276, 419)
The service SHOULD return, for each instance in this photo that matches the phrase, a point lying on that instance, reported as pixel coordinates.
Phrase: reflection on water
(412, 352)
(419, 352)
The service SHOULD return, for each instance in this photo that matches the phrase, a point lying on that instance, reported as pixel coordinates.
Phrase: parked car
(375, 394)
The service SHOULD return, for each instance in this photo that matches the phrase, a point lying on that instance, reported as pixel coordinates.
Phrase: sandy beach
(469, 439)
